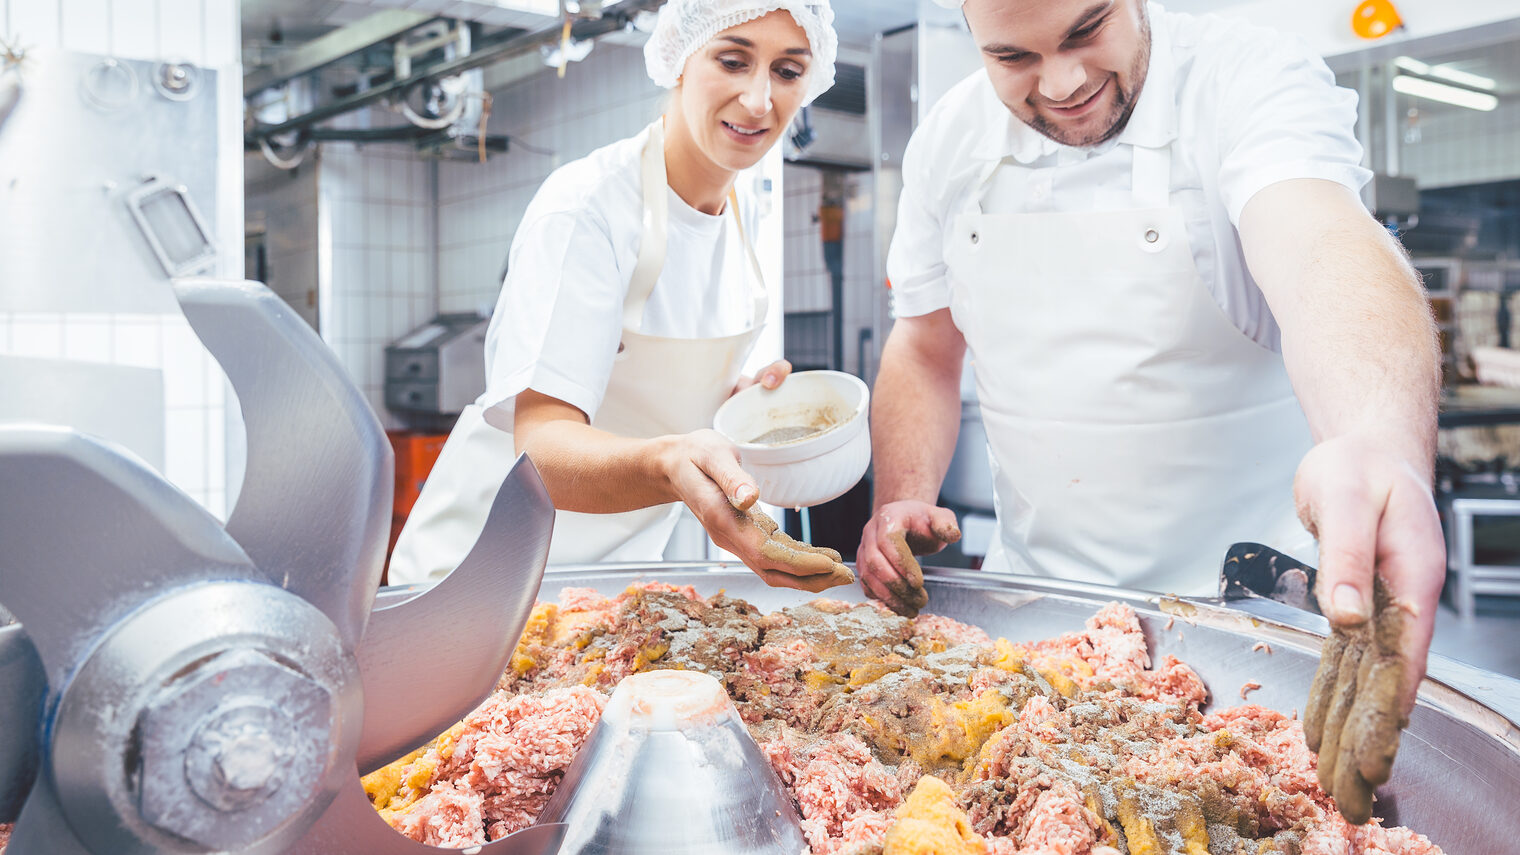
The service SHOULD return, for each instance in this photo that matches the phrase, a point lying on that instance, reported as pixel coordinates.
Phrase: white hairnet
(684, 26)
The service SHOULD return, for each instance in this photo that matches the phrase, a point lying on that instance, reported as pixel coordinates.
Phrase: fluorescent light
(1477, 81)
(1445, 72)
(1409, 63)
(548, 8)
(1446, 94)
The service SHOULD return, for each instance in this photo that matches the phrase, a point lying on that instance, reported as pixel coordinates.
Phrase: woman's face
(739, 92)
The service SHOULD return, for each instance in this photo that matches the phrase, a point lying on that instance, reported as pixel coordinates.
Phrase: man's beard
(1124, 101)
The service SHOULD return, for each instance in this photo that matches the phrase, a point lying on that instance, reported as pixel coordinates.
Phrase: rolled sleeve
(916, 256)
(1283, 118)
(558, 320)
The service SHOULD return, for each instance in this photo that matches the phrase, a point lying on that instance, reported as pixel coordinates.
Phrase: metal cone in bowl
(671, 769)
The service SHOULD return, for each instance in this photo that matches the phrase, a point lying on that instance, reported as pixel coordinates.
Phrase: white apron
(1135, 432)
(658, 386)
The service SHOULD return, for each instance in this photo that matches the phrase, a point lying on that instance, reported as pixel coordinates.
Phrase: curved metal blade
(42, 828)
(472, 619)
(89, 533)
(315, 509)
(351, 825)
(22, 689)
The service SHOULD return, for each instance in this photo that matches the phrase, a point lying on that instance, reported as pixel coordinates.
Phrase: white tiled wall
(1459, 147)
(378, 204)
(866, 305)
(205, 32)
(807, 278)
(195, 404)
(602, 99)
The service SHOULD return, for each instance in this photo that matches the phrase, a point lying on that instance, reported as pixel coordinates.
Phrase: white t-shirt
(559, 319)
(1242, 107)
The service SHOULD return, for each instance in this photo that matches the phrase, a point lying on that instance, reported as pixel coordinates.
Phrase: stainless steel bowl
(1458, 771)
(670, 769)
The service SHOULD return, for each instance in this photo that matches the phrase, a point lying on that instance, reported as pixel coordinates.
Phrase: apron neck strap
(651, 260)
(1151, 177)
(760, 298)
(646, 271)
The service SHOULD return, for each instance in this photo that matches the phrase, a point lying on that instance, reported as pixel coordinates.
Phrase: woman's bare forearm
(586, 469)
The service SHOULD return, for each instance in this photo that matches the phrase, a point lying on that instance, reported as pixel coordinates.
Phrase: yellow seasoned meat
(930, 823)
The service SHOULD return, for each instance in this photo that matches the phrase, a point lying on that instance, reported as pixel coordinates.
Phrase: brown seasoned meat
(1354, 715)
(910, 593)
(1074, 745)
(815, 567)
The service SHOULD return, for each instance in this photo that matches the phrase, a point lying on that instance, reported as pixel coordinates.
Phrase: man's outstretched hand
(1382, 564)
(1356, 708)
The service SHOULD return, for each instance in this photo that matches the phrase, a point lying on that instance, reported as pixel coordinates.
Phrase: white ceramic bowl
(811, 469)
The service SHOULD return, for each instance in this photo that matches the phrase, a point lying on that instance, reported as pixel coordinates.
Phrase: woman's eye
(789, 72)
(731, 63)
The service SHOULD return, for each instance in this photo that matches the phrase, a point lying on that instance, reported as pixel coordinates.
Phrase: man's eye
(1012, 58)
(1087, 32)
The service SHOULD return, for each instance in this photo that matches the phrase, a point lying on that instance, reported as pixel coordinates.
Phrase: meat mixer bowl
(671, 769)
(1455, 780)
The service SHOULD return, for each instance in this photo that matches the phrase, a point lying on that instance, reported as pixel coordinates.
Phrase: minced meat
(1075, 745)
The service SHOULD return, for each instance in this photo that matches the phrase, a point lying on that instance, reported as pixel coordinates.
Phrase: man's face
(1070, 69)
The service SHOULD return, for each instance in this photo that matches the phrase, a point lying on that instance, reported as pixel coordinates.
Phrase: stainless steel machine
(174, 684)
(108, 181)
(437, 369)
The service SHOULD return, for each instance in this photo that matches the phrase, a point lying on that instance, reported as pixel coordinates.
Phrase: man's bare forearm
(915, 408)
(1358, 337)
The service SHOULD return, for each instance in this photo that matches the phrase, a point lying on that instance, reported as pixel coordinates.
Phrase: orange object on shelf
(831, 223)
(1374, 19)
(415, 455)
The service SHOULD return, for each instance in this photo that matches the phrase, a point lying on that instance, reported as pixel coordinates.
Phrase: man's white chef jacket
(1243, 107)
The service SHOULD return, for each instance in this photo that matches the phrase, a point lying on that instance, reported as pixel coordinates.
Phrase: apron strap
(646, 271)
(1151, 177)
(761, 298)
(984, 182)
(651, 260)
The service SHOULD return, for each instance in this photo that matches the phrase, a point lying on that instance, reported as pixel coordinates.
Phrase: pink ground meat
(447, 816)
(949, 630)
(845, 795)
(1059, 822)
(503, 767)
(515, 747)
